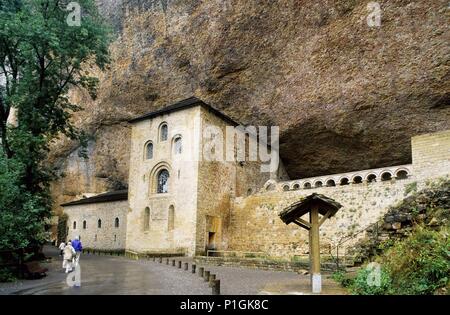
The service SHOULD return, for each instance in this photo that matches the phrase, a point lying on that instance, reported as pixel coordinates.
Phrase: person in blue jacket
(76, 244)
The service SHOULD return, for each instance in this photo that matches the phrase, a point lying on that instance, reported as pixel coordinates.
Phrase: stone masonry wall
(218, 183)
(431, 154)
(108, 237)
(182, 190)
(255, 225)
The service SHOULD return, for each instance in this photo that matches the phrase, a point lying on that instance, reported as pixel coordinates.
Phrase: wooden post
(200, 271)
(186, 266)
(206, 275)
(212, 277)
(167, 261)
(216, 287)
(173, 262)
(316, 280)
(179, 264)
(193, 268)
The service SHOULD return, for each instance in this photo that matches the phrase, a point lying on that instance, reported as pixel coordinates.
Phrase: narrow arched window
(162, 182)
(99, 223)
(116, 222)
(171, 218)
(178, 145)
(163, 132)
(74, 225)
(147, 219)
(84, 225)
(149, 151)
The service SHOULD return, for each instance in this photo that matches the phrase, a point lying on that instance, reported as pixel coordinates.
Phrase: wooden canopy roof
(303, 206)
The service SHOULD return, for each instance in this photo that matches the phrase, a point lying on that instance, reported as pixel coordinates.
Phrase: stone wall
(431, 154)
(219, 182)
(106, 237)
(182, 191)
(255, 225)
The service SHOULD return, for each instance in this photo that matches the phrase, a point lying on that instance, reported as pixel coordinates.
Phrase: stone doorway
(211, 245)
(213, 233)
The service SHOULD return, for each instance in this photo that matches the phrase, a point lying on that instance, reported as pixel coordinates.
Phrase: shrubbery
(417, 265)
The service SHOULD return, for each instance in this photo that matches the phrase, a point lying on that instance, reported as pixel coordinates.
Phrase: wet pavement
(121, 275)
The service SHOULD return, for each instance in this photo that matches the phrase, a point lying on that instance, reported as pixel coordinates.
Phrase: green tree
(42, 56)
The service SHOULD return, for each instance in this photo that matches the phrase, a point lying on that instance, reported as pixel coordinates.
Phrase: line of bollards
(207, 276)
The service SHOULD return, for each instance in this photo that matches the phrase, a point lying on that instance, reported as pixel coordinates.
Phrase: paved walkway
(120, 275)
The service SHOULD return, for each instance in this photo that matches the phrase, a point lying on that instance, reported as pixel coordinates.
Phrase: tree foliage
(41, 58)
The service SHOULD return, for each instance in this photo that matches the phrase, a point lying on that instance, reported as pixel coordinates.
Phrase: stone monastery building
(181, 203)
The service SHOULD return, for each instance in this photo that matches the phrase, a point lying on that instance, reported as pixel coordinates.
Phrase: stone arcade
(178, 203)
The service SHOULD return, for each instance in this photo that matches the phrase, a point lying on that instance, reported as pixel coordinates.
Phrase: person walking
(61, 248)
(69, 254)
(78, 249)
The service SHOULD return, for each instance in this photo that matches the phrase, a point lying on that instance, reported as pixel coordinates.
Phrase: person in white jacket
(69, 254)
(61, 248)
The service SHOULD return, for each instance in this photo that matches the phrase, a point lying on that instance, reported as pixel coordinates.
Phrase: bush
(419, 264)
(6, 275)
(365, 284)
(342, 278)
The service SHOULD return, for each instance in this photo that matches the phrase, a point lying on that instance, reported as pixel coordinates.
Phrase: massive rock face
(345, 95)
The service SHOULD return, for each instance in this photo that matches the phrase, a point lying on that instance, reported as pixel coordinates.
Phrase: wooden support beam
(315, 250)
(324, 217)
(303, 224)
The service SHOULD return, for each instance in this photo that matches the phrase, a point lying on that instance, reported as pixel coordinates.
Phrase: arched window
(386, 176)
(84, 225)
(318, 184)
(171, 218)
(116, 222)
(178, 145)
(249, 191)
(357, 180)
(402, 174)
(162, 182)
(371, 178)
(344, 181)
(74, 225)
(163, 132)
(147, 219)
(330, 183)
(286, 187)
(149, 151)
(307, 185)
(99, 223)
(296, 187)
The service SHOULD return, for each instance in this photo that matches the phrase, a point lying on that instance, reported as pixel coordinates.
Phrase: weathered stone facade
(199, 191)
(83, 220)
(201, 204)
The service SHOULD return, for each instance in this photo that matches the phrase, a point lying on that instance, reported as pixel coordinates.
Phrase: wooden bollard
(193, 268)
(206, 275)
(186, 266)
(216, 287)
(167, 261)
(173, 262)
(212, 277)
(200, 271)
(179, 264)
